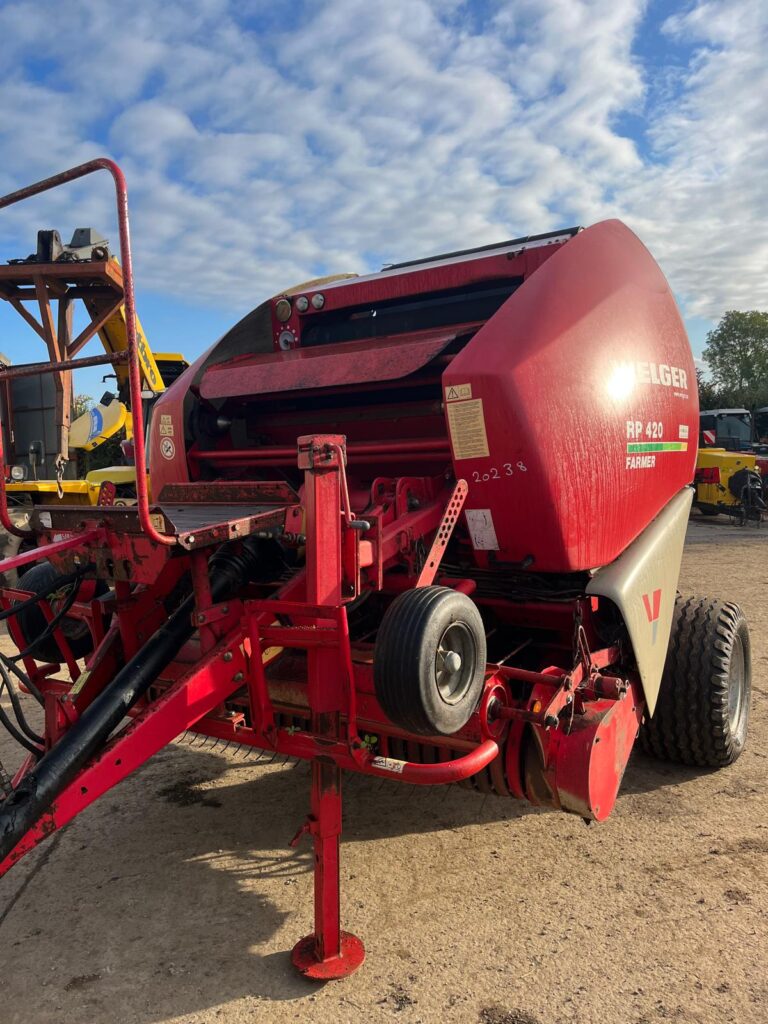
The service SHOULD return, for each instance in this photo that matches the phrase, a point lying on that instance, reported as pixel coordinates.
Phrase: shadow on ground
(183, 887)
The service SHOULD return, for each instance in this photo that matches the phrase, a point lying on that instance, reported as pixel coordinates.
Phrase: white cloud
(263, 146)
(701, 205)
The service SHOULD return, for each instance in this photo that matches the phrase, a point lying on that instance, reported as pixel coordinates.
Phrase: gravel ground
(176, 898)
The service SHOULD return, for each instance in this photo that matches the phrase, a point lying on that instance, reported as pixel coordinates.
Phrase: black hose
(229, 569)
(6, 684)
(23, 678)
(61, 581)
(18, 736)
(53, 624)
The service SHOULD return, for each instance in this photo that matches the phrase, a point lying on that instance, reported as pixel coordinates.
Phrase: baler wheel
(40, 579)
(702, 712)
(429, 660)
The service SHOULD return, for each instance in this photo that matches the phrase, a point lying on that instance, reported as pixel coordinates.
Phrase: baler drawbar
(424, 525)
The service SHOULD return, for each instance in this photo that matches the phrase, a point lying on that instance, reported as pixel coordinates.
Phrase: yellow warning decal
(466, 424)
(79, 683)
(458, 392)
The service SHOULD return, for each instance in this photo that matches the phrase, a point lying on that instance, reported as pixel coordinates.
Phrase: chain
(61, 463)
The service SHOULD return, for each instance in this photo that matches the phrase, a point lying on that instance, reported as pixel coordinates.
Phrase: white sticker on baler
(466, 424)
(458, 392)
(388, 764)
(166, 425)
(481, 529)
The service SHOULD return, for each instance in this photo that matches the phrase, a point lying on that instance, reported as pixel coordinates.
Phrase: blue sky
(269, 142)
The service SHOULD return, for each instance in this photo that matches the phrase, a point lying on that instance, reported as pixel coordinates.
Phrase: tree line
(736, 354)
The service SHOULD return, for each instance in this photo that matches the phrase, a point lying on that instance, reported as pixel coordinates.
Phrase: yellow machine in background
(99, 423)
(111, 415)
(728, 483)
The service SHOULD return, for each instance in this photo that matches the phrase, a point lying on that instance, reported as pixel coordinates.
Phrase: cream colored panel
(642, 583)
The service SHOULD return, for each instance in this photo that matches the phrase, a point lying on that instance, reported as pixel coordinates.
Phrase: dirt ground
(176, 898)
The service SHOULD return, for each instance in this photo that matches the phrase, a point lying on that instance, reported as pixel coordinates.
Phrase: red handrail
(134, 373)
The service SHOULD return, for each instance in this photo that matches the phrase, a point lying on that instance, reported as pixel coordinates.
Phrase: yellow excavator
(38, 437)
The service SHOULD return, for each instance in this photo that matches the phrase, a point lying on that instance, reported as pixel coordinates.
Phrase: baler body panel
(576, 411)
(352, 362)
(642, 583)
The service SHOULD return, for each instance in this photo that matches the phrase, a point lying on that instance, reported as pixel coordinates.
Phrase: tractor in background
(731, 472)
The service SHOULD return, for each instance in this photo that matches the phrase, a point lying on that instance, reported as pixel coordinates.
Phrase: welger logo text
(657, 373)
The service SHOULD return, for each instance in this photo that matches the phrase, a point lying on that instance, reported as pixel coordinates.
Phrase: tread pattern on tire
(400, 634)
(690, 723)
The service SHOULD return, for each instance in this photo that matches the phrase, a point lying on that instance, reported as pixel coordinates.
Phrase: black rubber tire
(32, 622)
(692, 723)
(405, 661)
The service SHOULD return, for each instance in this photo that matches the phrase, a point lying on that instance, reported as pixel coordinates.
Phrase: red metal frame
(134, 372)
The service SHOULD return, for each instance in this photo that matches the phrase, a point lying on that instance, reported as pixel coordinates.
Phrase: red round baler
(424, 524)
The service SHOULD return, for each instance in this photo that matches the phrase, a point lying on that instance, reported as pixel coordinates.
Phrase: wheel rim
(455, 663)
(736, 680)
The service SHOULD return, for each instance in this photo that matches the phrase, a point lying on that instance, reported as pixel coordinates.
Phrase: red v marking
(652, 609)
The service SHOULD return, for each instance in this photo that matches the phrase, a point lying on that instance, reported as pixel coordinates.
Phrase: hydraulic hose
(38, 789)
(57, 584)
(50, 627)
(20, 737)
(6, 684)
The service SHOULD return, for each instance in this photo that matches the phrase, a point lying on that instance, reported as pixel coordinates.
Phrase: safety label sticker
(466, 424)
(167, 448)
(388, 764)
(683, 432)
(458, 392)
(481, 529)
(166, 425)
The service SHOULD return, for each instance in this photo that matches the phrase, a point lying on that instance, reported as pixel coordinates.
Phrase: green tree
(80, 405)
(709, 397)
(737, 355)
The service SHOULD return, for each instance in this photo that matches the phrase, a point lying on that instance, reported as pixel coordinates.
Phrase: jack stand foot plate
(347, 962)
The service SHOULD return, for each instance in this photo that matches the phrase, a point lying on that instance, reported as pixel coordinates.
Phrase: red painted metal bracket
(443, 535)
(37, 554)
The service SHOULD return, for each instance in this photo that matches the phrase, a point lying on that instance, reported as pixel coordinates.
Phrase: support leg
(329, 952)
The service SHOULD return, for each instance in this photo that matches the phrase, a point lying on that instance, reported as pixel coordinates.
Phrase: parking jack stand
(328, 952)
